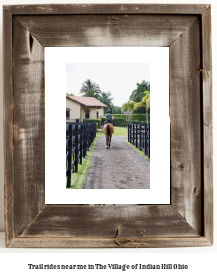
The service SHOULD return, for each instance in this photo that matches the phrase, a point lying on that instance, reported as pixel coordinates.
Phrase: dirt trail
(117, 168)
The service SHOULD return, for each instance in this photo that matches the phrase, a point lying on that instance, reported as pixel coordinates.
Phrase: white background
(55, 83)
(201, 260)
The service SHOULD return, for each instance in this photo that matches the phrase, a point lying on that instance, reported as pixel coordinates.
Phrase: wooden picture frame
(186, 30)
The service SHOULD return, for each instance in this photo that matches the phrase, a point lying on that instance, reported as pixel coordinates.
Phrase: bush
(140, 117)
(116, 122)
(119, 116)
(139, 122)
(102, 121)
(135, 117)
(119, 122)
(98, 121)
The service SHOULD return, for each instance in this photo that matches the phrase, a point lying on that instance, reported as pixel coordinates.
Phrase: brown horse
(108, 130)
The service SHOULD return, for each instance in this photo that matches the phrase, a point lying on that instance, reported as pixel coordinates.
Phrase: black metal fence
(139, 136)
(79, 137)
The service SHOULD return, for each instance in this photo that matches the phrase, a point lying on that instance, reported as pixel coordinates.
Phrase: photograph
(107, 126)
(99, 107)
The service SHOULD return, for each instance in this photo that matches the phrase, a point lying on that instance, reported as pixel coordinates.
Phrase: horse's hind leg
(109, 142)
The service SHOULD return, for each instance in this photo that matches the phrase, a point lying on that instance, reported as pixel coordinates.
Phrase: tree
(128, 106)
(138, 93)
(139, 110)
(144, 103)
(106, 98)
(116, 110)
(69, 94)
(90, 89)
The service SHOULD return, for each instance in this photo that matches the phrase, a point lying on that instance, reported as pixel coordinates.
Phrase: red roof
(87, 101)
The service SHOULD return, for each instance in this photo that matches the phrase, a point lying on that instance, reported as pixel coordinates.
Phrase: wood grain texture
(106, 9)
(29, 129)
(207, 66)
(8, 125)
(208, 183)
(109, 221)
(107, 30)
(207, 122)
(69, 242)
(29, 223)
(185, 113)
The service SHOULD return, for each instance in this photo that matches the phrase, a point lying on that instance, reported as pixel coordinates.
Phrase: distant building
(83, 108)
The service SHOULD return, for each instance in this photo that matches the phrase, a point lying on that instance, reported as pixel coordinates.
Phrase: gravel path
(119, 167)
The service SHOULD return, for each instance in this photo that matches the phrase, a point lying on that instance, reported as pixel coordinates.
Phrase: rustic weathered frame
(188, 220)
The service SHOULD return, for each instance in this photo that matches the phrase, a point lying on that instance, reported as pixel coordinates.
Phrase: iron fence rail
(139, 136)
(79, 137)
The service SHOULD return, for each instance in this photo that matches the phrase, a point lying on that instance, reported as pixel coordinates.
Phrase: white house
(83, 108)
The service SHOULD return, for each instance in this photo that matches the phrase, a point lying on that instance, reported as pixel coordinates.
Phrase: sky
(119, 79)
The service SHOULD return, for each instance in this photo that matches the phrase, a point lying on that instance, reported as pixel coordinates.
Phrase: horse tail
(108, 130)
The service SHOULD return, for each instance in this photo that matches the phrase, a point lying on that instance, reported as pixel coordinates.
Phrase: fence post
(89, 141)
(128, 132)
(85, 140)
(76, 148)
(136, 136)
(91, 134)
(145, 139)
(81, 144)
(69, 157)
(133, 134)
(95, 130)
(149, 142)
(140, 137)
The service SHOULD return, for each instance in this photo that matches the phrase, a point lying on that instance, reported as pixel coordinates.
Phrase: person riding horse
(108, 119)
(108, 129)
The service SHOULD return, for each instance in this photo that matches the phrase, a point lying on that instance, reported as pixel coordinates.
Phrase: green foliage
(78, 179)
(144, 103)
(135, 117)
(146, 99)
(140, 110)
(106, 98)
(119, 122)
(138, 93)
(71, 95)
(116, 109)
(119, 116)
(128, 106)
(98, 121)
(140, 117)
(138, 122)
(119, 131)
(116, 121)
(90, 89)
(102, 120)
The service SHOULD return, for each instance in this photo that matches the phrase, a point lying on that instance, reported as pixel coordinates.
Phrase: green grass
(119, 131)
(137, 150)
(78, 179)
